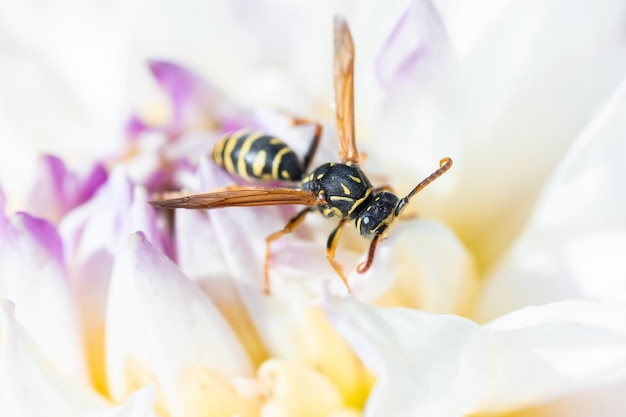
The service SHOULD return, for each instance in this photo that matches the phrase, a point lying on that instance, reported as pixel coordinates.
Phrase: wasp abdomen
(254, 155)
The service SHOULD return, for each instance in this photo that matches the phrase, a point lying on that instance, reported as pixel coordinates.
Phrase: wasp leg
(291, 225)
(364, 266)
(315, 141)
(333, 239)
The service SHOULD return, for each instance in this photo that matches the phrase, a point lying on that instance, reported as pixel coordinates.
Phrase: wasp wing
(344, 91)
(236, 196)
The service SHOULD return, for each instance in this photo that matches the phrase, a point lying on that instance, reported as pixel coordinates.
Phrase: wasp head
(378, 218)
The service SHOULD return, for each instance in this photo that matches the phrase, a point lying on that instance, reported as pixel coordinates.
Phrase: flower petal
(56, 190)
(500, 99)
(93, 233)
(24, 371)
(412, 50)
(573, 244)
(193, 99)
(33, 276)
(139, 403)
(434, 271)
(161, 326)
(101, 224)
(201, 259)
(425, 364)
(513, 82)
(606, 401)
(550, 351)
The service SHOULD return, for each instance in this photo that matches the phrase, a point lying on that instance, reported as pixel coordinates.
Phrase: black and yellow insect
(258, 156)
(338, 190)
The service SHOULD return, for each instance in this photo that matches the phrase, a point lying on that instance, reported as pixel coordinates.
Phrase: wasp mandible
(338, 190)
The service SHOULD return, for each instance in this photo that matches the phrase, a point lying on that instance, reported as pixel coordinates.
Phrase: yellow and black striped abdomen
(254, 155)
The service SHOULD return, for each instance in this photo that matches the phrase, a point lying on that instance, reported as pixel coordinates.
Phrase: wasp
(337, 190)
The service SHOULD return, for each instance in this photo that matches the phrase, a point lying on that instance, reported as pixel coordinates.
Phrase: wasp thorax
(377, 217)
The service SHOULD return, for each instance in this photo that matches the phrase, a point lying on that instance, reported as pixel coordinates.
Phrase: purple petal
(91, 183)
(35, 279)
(47, 198)
(195, 102)
(32, 233)
(57, 190)
(414, 47)
(191, 96)
(135, 127)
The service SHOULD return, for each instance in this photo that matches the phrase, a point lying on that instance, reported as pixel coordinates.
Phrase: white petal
(100, 224)
(143, 219)
(573, 244)
(138, 404)
(606, 401)
(29, 385)
(158, 321)
(92, 234)
(240, 234)
(99, 227)
(433, 270)
(33, 276)
(512, 109)
(546, 352)
(198, 255)
(201, 259)
(418, 79)
(425, 364)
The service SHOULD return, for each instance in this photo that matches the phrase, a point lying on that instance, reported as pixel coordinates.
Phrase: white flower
(502, 294)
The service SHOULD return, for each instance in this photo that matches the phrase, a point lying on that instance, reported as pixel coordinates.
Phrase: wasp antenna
(444, 165)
